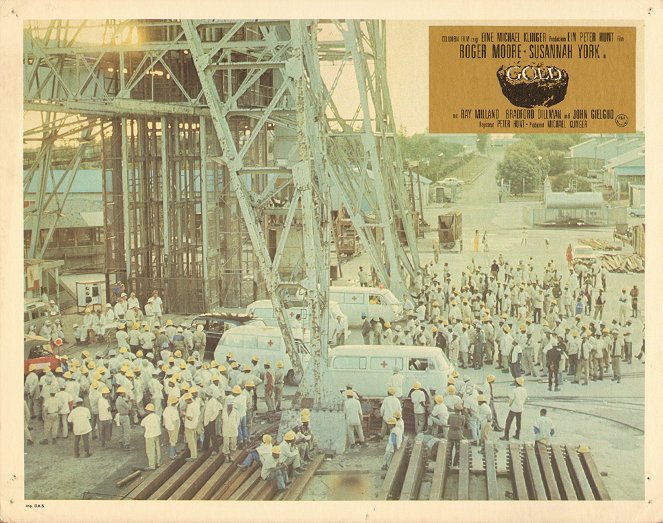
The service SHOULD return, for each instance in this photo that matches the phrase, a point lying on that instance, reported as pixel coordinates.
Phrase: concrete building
(594, 152)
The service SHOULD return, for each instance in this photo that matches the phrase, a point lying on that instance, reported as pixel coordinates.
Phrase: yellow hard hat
(123, 350)
(121, 390)
(94, 384)
(171, 359)
(520, 380)
(90, 364)
(58, 369)
(187, 396)
(178, 353)
(451, 381)
(85, 354)
(169, 322)
(266, 363)
(173, 400)
(222, 368)
(455, 374)
(255, 358)
(135, 325)
(387, 324)
(306, 412)
(149, 407)
(147, 328)
(191, 359)
(184, 386)
(236, 389)
(137, 370)
(279, 364)
(182, 365)
(391, 421)
(438, 399)
(139, 354)
(416, 385)
(490, 378)
(105, 390)
(102, 370)
(230, 355)
(84, 370)
(164, 367)
(276, 449)
(349, 393)
(451, 389)
(67, 375)
(246, 368)
(306, 419)
(177, 376)
(214, 364)
(289, 436)
(172, 380)
(129, 374)
(266, 438)
(434, 329)
(391, 390)
(481, 397)
(397, 414)
(193, 390)
(249, 383)
(234, 365)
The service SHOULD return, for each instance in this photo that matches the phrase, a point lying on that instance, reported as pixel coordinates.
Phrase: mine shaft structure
(224, 145)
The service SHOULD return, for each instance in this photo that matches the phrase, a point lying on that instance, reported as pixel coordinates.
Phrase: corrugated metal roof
(76, 213)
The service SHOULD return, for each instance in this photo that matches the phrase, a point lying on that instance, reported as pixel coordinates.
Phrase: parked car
(638, 212)
(450, 181)
(584, 254)
(216, 323)
(39, 353)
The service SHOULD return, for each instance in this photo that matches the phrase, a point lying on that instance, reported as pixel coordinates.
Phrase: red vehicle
(39, 352)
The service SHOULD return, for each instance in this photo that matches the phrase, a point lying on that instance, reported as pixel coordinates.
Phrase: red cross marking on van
(354, 298)
(270, 343)
(292, 314)
(383, 364)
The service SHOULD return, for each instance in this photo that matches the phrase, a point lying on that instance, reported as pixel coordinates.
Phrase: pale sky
(407, 70)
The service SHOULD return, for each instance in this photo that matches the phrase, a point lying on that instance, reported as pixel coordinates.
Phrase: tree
(524, 166)
(482, 141)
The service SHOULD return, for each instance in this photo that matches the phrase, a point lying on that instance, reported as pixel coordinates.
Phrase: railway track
(506, 471)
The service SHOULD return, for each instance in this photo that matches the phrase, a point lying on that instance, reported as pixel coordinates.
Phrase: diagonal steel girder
(351, 36)
(234, 163)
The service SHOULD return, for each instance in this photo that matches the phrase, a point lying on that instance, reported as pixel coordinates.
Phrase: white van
(374, 301)
(368, 367)
(264, 309)
(266, 343)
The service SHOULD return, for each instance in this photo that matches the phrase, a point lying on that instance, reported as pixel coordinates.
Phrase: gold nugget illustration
(533, 85)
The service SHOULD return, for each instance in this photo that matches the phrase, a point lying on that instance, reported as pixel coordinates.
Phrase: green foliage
(563, 182)
(435, 158)
(582, 171)
(524, 165)
(553, 142)
(482, 142)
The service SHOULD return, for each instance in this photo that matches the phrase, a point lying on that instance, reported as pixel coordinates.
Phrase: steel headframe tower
(189, 107)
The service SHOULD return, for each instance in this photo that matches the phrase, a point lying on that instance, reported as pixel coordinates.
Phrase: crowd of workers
(508, 315)
(173, 395)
